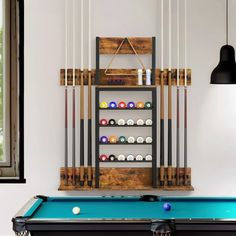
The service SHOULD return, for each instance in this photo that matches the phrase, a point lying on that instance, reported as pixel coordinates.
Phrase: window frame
(19, 83)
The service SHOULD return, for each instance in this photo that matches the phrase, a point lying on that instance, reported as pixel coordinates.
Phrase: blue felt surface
(132, 208)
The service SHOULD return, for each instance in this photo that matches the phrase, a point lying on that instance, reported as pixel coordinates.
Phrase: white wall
(212, 115)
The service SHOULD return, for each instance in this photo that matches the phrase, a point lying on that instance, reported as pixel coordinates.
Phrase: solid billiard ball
(122, 105)
(140, 105)
(131, 105)
(148, 139)
(140, 122)
(103, 122)
(148, 157)
(122, 139)
(130, 158)
(103, 105)
(112, 105)
(130, 122)
(111, 122)
(140, 140)
(148, 122)
(113, 139)
(121, 122)
(131, 139)
(112, 157)
(103, 157)
(104, 139)
(167, 206)
(139, 158)
(76, 210)
(148, 105)
(121, 157)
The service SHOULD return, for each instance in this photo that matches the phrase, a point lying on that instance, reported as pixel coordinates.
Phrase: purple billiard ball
(112, 105)
(104, 139)
(131, 105)
(167, 206)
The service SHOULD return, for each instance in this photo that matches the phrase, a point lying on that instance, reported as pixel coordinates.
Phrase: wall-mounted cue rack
(113, 176)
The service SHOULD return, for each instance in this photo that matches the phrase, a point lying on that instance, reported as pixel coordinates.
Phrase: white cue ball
(76, 210)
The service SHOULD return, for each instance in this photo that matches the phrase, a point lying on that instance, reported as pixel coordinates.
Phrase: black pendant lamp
(225, 72)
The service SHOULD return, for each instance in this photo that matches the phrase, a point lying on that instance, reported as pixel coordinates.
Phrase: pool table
(44, 216)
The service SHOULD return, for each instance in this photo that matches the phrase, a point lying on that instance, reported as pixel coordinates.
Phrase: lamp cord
(227, 22)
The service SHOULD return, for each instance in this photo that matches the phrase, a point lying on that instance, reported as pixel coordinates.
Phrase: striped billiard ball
(130, 158)
(148, 157)
(140, 140)
(140, 122)
(139, 158)
(130, 122)
(121, 157)
(131, 139)
(121, 122)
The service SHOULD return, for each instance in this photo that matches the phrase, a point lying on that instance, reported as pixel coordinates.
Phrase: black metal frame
(21, 178)
(153, 127)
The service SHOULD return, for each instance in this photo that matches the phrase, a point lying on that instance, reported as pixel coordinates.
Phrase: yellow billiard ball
(76, 210)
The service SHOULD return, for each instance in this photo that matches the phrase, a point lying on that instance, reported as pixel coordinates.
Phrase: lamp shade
(225, 72)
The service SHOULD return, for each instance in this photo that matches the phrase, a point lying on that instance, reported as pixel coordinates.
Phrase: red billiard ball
(103, 122)
(103, 157)
(122, 105)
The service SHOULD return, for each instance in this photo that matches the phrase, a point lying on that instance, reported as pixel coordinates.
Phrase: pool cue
(169, 175)
(82, 177)
(66, 95)
(162, 144)
(90, 174)
(185, 96)
(177, 105)
(73, 103)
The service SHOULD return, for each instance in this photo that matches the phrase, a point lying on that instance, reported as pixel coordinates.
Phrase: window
(11, 91)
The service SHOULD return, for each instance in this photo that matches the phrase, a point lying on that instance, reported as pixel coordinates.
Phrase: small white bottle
(140, 77)
(148, 77)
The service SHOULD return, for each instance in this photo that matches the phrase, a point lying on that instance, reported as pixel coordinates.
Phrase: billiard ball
(122, 105)
(148, 139)
(131, 105)
(167, 206)
(103, 105)
(122, 139)
(140, 140)
(140, 122)
(76, 210)
(111, 122)
(130, 122)
(103, 122)
(139, 158)
(148, 122)
(113, 139)
(148, 105)
(103, 157)
(104, 139)
(140, 105)
(112, 157)
(131, 139)
(148, 157)
(121, 122)
(121, 157)
(130, 158)
(112, 105)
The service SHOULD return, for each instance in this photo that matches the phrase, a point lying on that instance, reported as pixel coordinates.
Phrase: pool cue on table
(73, 104)
(162, 145)
(177, 105)
(82, 177)
(185, 96)
(169, 175)
(66, 96)
(90, 174)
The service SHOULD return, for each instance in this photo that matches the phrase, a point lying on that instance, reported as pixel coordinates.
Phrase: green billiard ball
(122, 139)
(148, 105)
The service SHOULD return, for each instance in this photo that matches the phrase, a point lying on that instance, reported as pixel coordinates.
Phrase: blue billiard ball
(112, 105)
(167, 206)
(104, 139)
(131, 105)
